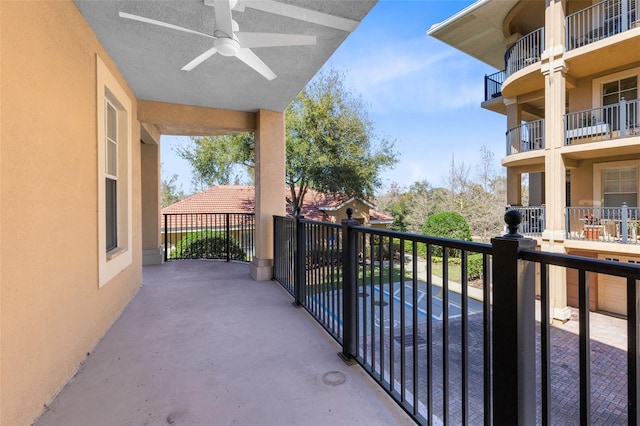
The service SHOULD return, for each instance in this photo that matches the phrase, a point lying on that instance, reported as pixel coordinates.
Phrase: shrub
(447, 225)
(207, 245)
(421, 248)
(474, 266)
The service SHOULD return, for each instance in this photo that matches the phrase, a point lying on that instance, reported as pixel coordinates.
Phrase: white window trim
(598, 196)
(597, 94)
(112, 263)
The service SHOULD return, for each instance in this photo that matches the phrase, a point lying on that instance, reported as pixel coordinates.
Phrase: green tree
(170, 192)
(331, 145)
(447, 225)
(395, 203)
(219, 160)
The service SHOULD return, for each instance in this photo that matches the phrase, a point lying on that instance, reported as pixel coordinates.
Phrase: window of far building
(620, 185)
(608, 93)
(614, 91)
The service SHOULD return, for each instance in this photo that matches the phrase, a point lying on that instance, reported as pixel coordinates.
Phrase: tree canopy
(331, 146)
(479, 198)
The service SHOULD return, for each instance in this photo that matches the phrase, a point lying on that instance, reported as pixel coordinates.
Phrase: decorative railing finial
(513, 219)
(349, 213)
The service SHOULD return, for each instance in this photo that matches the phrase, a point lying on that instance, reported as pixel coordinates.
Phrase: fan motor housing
(226, 46)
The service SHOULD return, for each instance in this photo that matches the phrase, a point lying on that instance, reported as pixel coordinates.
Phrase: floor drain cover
(333, 378)
(363, 294)
(377, 303)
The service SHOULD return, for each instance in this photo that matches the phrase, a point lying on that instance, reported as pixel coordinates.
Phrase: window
(609, 91)
(114, 175)
(620, 185)
(613, 91)
(111, 176)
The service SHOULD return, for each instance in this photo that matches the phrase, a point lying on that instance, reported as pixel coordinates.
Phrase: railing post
(486, 91)
(623, 117)
(227, 239)
(349, 288)
(166, 239)
(299, 259)
(624, 224)
(513, 324)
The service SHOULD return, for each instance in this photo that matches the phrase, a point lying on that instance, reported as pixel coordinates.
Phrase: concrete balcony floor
(202, 343)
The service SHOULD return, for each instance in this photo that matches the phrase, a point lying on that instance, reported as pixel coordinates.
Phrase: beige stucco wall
(52, 312)
(360, 212)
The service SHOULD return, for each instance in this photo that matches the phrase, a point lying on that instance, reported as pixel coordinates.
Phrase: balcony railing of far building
(493, 85)
(532, 219)
(596, 22)
(605, 224)
(599, 21)
(524, 52)
(615, 121)
(526, 137)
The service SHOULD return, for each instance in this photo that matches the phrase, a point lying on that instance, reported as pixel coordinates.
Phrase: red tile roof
(217, 199)
(241, 199)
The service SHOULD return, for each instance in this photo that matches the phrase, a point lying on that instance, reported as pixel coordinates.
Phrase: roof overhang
(477, 30)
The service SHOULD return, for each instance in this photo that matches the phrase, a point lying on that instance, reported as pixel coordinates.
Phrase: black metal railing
(533, 219)
(227, 236)
(524, 52)
(606, 224)
(609, 397)
(381, 316)
(601, 20)
(493, 85)
(526, 137)
(284, 240)
(615, 121)
(448, 327)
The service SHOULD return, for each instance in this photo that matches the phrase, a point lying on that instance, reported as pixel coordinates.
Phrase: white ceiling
(151, 57)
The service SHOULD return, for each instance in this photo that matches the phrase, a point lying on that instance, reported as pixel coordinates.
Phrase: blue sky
(421, 93)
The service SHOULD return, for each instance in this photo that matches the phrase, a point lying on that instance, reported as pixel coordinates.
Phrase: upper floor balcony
(603, 224)
(600, 21)
(617, 121)
(524, 52)
(619, 225)
(493, 85)
(526, 137)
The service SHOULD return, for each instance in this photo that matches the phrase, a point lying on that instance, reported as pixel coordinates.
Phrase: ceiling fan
(228, 40)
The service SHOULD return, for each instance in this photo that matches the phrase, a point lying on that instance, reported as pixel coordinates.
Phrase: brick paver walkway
(608, 371)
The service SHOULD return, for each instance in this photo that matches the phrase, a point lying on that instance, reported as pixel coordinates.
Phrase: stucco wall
(52, 312)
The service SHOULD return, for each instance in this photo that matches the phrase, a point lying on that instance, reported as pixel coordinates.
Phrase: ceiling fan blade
(308, 15)
(161, 24)
(250, 58)
(200, 59)
(224, 21)
(273, 40)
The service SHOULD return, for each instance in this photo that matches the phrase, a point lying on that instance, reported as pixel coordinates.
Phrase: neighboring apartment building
(86, 92)
(316, 205)
(567, 82)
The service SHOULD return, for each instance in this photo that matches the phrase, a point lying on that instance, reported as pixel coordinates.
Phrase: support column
(514, 187)
(270, 188)
(555, 70)
(150, 185)
(514, 178)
